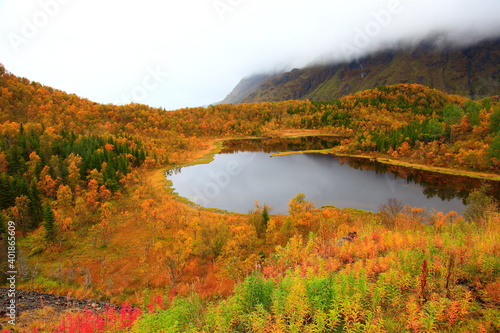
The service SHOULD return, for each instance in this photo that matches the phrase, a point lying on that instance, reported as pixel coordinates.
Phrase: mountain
(247, 86)
(471, 71)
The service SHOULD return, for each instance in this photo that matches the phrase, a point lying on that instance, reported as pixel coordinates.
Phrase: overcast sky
(180, 53)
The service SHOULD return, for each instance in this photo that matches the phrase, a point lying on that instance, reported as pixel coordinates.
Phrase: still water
(236, 179)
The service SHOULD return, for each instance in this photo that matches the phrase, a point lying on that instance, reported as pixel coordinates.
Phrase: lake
(245, 172)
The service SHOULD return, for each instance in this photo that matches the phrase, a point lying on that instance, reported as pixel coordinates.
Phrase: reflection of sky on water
(276, 180)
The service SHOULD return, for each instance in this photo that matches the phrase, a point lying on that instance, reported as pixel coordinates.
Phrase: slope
(472, 72)
(138, 241)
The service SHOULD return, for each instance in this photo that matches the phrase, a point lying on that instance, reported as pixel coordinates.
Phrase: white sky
(181, 53)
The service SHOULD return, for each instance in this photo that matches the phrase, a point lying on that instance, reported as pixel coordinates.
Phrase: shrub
(181, 317)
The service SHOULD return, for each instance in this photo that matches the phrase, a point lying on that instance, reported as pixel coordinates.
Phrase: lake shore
(388, 161)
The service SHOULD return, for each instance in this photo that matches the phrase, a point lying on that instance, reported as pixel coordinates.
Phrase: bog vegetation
(85, 184)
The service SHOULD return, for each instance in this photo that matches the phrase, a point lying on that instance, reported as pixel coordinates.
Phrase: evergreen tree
(265, 219)
(3, 225)
(7, 195)
(110, 179)
(495, 121)
(35, 207)
(49, 222)
(452, 115)
(494, 150)
(472, 111)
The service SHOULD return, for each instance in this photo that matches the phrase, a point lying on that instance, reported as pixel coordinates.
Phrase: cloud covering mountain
(188, 53)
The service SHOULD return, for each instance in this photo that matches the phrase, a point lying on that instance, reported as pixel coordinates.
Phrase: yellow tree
(92, 195)
(239, 255)
(32, 164)
(20, 213)
(65, 203)
(3, 163)
(74, 181)
(47, 184)
(175, 255)
(64, 196)
(212, 236)
(300, 211)
(151, 212)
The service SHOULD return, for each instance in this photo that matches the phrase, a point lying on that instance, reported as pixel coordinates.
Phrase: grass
(204, 156)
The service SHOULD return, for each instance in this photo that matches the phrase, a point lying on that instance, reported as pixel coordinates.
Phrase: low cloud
(102, 50)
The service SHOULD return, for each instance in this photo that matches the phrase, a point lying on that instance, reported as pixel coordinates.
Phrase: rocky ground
(31, 301)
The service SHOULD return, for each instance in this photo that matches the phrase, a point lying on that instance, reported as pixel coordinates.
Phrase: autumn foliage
(85, 184)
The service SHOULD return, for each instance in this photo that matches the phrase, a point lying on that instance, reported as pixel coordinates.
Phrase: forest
(96, 218)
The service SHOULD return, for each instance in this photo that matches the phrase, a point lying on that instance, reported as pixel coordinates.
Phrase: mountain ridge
(471, 71)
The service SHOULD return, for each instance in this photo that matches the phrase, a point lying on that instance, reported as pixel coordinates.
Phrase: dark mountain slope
(472, 71)
(246, 86)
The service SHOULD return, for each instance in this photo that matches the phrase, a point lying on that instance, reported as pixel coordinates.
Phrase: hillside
(95, 217)
(245, 87)
(472, 72)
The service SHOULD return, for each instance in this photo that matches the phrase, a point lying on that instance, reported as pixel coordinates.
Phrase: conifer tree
(3, 225)
(35, 207)
(495, 121)
(49, 222)
(265, 217)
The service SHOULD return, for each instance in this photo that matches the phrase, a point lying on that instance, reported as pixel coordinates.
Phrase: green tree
(35, 207)
(433, 130)
(259, 218)
(452, 115)
(494, 150)
(49, 221)
(495, 121)
(3, 225)
(472, 111)
(486, 103)
(7, 193)
(265, 215)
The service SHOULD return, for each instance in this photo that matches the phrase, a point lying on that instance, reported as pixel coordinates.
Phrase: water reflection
(445, 187)
(245, 172)
(274, 145)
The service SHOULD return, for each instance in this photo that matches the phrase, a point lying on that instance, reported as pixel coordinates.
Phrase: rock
(31, 300)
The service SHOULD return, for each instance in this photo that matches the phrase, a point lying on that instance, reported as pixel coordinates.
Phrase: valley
(97, 219)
